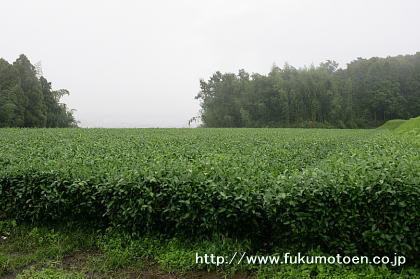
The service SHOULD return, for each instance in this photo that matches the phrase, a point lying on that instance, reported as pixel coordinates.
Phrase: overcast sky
(138, 63)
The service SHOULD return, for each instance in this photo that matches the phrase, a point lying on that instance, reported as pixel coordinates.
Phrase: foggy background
(138, 63)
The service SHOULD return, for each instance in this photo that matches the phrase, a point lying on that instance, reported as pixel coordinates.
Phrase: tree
(27, 100)
(365, 94)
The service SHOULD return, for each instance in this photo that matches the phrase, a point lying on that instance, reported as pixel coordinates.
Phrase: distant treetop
(27, 99)
(365, 94)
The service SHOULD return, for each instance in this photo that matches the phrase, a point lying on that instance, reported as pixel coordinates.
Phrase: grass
(411, 126)
(50, 273)
(399, 126)
(392, 124)
(23, 246)
(61, 252)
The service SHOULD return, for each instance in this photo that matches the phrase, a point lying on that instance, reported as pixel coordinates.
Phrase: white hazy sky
(138, 63)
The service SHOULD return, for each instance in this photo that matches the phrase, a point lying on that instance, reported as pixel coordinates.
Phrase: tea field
(338, 191)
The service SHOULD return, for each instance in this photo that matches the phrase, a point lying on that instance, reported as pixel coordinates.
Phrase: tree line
(365, 94)
(27, 99)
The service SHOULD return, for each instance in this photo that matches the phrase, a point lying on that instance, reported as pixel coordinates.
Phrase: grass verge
(62, 252)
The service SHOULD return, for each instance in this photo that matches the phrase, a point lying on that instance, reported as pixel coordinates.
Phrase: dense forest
(27, 99)
(365, 94)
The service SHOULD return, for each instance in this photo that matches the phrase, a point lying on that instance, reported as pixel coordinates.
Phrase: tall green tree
(365, 94)
(29, 101)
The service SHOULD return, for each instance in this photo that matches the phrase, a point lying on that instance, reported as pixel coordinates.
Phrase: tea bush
(347, 191)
